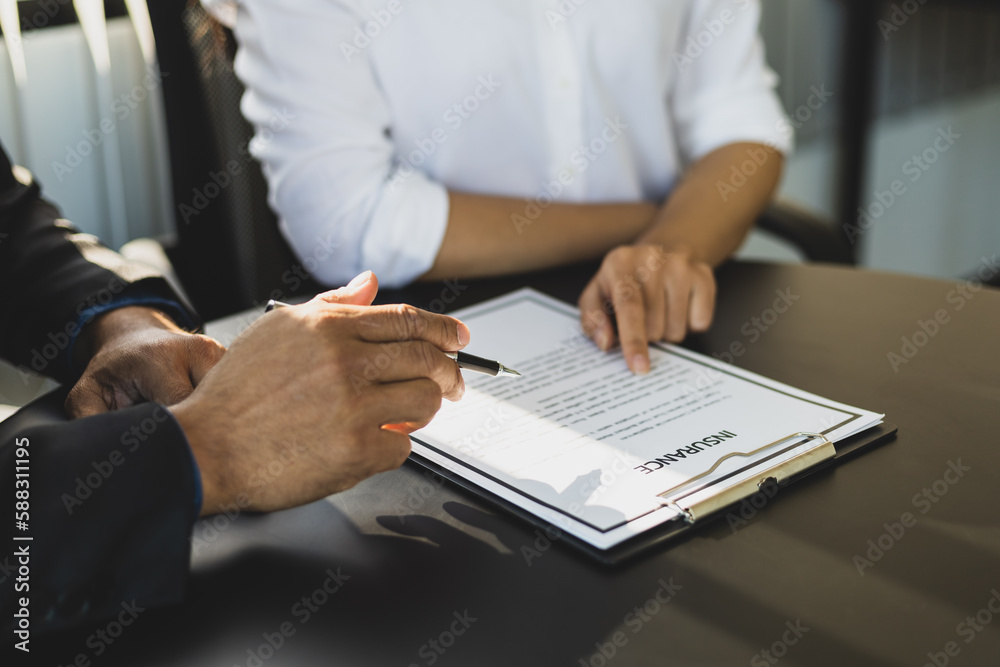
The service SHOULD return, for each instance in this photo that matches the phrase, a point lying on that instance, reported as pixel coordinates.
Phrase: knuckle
(429, 399)
(409, 323)
(206, 347)
(612, 259)
(427, 357)
(675, 266)
(620, 258)
(217, 348)
(628, 300)
(655, 257)
(345, 358)
(589, 297)
(319, 321)
(447, 329)
(654, 327)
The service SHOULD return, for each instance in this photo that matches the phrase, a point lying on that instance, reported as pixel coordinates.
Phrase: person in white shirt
(426, 139)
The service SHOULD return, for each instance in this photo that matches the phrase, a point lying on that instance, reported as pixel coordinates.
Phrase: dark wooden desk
(419, 555)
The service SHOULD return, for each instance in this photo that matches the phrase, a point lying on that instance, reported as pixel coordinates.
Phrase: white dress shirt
(368, 112)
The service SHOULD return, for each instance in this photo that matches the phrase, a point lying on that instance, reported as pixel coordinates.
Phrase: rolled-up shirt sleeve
(323, 133)
(724, 91)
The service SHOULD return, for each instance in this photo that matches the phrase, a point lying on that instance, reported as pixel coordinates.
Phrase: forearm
(708, 215)
(490, 236)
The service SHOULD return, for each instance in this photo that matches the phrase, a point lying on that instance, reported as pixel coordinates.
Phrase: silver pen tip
(508, 371)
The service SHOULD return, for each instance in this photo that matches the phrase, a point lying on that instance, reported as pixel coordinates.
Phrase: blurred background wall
(940, 68)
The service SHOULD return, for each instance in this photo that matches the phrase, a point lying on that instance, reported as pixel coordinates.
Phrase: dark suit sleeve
(110, 512)
(50, 274)
(111, 497)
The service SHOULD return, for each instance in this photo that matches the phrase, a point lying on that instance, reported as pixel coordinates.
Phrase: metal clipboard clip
(728, 494)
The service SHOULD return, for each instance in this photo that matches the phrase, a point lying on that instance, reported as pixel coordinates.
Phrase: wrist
(203, 443)
(668, 246)
(668, 238)
(114, 324)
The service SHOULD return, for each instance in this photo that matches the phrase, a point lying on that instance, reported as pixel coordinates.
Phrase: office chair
(229, 255)
(816, 238)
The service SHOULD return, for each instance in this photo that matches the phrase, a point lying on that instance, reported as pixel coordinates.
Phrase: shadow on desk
(462, 587)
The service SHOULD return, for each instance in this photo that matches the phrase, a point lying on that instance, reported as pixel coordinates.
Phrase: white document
(583, 444)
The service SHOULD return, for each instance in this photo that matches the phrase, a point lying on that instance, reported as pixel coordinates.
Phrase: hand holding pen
(465, 361)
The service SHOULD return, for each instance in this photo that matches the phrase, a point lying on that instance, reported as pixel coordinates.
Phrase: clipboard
(771, 477)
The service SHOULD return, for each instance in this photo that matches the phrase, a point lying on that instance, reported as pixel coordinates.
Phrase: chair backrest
(230, 255)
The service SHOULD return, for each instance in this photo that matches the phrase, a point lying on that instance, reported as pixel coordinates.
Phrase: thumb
(359, 292)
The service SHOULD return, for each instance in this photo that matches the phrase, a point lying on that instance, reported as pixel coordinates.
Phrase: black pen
(469, 362)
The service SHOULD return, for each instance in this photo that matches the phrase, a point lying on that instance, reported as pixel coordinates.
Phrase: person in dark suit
(173, 426)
